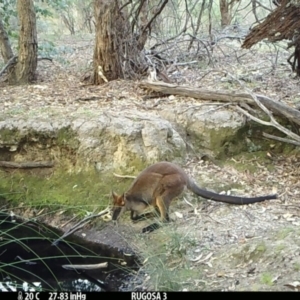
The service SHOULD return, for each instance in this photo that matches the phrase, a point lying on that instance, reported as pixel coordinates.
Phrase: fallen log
(276, 107)
(26, 165)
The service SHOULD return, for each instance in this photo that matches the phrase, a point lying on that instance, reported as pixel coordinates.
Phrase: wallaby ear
(114, 195)
(117, 199)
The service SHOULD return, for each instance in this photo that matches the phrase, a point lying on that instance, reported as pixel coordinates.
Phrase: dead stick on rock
(281, 139)
(272, 122)
(26, 165)
(124, 176)
(79, 225)
(86, 267)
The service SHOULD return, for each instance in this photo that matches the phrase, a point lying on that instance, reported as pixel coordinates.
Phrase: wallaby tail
(225, 198)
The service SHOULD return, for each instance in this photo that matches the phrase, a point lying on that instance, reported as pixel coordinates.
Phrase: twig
(12, 61)
(219, 222)
(124, 176)
(91, 98)
(79, 225)
(185, 63)
(158, 11)
(45, 58)
(277, 138)
(272, 122)
(189, 203)
(248, 107)
(86, 267)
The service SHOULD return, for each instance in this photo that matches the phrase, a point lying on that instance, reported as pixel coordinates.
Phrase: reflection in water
(30, 262)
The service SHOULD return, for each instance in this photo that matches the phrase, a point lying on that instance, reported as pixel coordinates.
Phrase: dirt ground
(209, 245)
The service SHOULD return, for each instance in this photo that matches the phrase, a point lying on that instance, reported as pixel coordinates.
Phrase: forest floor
(209, 245)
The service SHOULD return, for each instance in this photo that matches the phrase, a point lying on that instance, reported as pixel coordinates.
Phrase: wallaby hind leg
(163, 207)
(147, 215)
(171, 187)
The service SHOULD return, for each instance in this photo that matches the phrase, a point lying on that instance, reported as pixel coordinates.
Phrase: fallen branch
(86, 267)
(11, 61)
(79, 225)
(124, 176)
(92, 98)
(281, 139)
(273, 123)
(185, 63)
(27, 165)
(45, 58)
(224, 96)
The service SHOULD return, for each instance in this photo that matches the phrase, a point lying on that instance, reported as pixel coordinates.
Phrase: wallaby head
(118, 205)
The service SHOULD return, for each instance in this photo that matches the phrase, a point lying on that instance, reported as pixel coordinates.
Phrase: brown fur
(158, 185)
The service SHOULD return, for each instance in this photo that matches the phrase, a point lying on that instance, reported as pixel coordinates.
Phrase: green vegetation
(80, 192)
(66, 136)
(283, 233)
(266, 278)
(250, 252)
(297, 266)
(166, 260)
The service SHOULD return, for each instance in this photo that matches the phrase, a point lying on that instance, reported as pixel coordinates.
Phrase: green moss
(283, 233)
(249, 139)
(297, 267)
(266, 278)
(84, 191)
(66, 136)
(8, 136)
(280, 247)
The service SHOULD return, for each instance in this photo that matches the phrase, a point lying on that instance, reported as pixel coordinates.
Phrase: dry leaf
(294, 285)
(178, 215)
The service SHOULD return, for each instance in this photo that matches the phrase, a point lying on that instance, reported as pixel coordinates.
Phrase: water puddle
(30, 261)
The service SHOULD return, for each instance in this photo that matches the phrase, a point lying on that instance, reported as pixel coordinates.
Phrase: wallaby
(158, 185)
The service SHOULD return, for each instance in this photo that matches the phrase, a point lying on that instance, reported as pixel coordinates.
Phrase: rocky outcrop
(129, 140)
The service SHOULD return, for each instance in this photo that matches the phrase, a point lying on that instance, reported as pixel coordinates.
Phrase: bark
(25, 69)
(276, 107)
(5, 47)
(108, 44)
(225, 13)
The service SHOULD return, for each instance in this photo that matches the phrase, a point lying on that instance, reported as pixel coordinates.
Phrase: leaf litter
(242, 244)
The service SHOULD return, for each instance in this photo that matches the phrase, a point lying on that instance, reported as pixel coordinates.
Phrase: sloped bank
(126, 141)
(81, 152)
(52, 159)
(69, 161)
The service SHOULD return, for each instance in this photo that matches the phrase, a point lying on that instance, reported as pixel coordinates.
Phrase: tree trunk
(121, 34)
(25, 69)
(108, 44)
(5, 47)
(225, 12)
